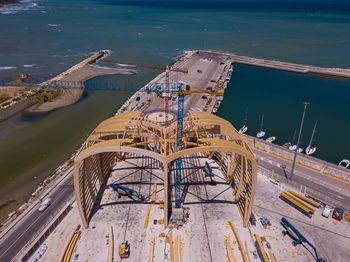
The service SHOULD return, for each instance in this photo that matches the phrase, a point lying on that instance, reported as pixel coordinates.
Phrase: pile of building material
(302, 203)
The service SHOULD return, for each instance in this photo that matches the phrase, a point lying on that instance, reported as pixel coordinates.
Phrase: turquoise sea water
(44, 37)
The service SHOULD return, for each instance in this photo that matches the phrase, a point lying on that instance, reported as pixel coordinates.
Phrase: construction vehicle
(125, 191)
(298, 238)
(161, 203)
(209, 172)
(124, 250)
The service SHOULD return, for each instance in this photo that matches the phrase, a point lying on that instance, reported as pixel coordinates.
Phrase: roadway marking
(30, 226)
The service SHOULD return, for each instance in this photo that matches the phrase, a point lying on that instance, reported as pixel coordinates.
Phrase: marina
(198, 69)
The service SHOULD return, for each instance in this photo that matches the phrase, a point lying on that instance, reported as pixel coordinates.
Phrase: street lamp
(306, 104)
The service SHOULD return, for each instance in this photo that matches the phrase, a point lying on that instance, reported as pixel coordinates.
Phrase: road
(329, 186)
(23, 232)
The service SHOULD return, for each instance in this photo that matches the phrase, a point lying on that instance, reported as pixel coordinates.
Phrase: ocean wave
(7, 67)
(29, 65)
(53, 24)
(23, 6)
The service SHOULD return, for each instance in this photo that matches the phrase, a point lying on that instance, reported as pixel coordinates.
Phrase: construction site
(165, 179)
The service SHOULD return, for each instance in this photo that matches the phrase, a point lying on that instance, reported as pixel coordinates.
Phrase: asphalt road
(329, 186)
(23, 232)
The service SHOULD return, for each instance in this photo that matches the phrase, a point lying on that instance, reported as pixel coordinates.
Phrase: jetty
(291, 67)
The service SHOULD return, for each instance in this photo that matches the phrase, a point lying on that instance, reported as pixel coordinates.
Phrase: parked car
(42, 249)
(199, 71)
(338, 214)
(44, 204)
(326, 212)
(137, 98)
(213, 81)
(204, 97)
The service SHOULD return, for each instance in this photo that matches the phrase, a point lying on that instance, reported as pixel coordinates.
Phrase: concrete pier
(291, 67)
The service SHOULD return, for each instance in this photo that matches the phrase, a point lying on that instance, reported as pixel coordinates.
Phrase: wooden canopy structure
(132, 133)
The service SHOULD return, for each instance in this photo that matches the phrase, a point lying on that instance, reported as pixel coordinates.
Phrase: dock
(290, 67)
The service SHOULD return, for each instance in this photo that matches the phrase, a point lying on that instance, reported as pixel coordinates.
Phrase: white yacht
(271, 139)
(310, 149)
(292, 147)
(244, 128)
(261, 133)
(344, 163)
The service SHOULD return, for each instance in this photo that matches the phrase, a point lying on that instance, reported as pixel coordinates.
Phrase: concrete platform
(202, 237)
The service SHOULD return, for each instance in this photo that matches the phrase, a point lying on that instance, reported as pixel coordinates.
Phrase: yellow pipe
(110, 244)
(309, 200)
(302, 202)
(240, 245)
(296, 202)
(262, 251)
(147, 216)
(230, 255)
(246, 250)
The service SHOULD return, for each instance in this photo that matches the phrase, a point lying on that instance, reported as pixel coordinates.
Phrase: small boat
(344, 163)
(244, 128)
(287, 145)
(271, 139)
(261, 133)
(215, 110)
(300, 150)
(292, 147)
(310, 149)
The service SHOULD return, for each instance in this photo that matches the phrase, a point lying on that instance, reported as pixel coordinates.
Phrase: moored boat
(344, 163)
(310, 149)
(287, 145)
(243, 129)
(300, 150)
(292, 147)
(261, 133)
(270, 139)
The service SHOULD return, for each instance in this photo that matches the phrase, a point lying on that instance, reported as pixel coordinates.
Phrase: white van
(326, 212)
(44, 204)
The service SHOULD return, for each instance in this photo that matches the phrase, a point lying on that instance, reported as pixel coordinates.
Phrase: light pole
(306, 104)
